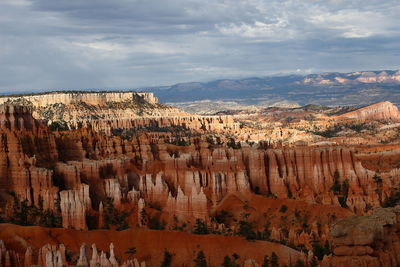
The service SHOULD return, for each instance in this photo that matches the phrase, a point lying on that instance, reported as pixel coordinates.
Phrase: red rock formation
(378, 111)
(79, 171)
(366, 240)
(74, 204)
(9, 258)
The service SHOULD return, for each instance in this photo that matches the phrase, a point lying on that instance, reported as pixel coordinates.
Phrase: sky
(74, 44)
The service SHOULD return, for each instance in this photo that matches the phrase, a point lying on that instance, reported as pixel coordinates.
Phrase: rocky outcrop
(55, 256)
(378, 111)
(74, 204)
(366, 240)
(9, 258)
(111, 112)
(185, 181)
(92, 180)
(91, 98)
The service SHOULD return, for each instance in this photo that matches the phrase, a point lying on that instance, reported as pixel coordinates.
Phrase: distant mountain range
(333, 88)
(330, 89)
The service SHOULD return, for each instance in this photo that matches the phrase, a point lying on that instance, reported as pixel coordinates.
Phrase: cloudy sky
(58, 44)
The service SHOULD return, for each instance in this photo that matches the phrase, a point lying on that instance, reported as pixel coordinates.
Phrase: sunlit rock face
(80, 179)
(378, 111)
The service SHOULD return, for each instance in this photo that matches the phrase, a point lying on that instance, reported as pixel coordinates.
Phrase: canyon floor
(118, 179)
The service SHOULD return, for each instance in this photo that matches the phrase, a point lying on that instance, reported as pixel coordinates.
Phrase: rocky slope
(206, 183)
(366, 240)
(378, 111)
(110, 111)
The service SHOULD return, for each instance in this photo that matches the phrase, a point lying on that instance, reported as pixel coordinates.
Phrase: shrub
(200, 227)
(200, 260)
(392, 200)
(113, 216)
(131, 252)
(283, 209)
(265, 262)
(318, 250)
(246, 230)
(156, 224)
(58, 126)
(222, 216)
(232, 144)
(25, 214)
(299, 263)
(274, 260)
(167, 260)
(230, 262)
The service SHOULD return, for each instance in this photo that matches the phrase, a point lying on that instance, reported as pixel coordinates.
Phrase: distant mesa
(379, 111)
(91, 98)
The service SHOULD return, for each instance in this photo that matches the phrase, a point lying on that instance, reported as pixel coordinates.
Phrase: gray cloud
(56, 44)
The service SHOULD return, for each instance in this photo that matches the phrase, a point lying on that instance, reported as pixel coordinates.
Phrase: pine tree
(266, 261)
(201, 227)
(274, 260)
(200, 260)
(167, 261)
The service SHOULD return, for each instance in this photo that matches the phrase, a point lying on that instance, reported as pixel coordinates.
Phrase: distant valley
(331, 89)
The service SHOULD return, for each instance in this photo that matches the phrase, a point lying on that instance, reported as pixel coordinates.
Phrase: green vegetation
(91, 221)
(393, 199)
(167, 260)
(274, 260)
(222, 217)
(266, 233)
(340, 189)
(335, 129)
(131, 252)
(320, 251)
(230, 261)
(25, 214)
(200, 260)
(283, 209)
(156, 224)
(200, 227)
(143, 217)
(233, 144)
(246, 230)
(314, 262)
(266, 262)
(178, 142)
(300, 263)
(59, 126)
(114, 217)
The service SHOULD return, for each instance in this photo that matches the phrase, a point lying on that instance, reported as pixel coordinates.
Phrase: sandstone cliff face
(185, 181)
(378, 111)
(88, 178)
(27, 145)
(366, 240)
(91, 98)
(109, 111)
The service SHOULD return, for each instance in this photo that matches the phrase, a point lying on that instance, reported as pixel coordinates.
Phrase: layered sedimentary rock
(378, 111)
(89, 180)
(110, 111)
(74, 204)
(366, 240)
(9, 258)
(187, 180)
(91, 98)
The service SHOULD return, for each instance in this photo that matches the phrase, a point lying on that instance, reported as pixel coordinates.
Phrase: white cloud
(354, 23)
(135, 43)
(276, 31)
